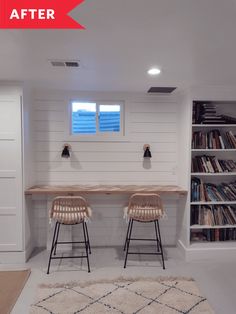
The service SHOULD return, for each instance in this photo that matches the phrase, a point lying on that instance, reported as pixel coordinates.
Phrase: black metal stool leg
(162, 256)
(158, 247)
(52, 247)
(86, 246)
(127, 235)
(86, 230)
(128, 241)
(55, 249)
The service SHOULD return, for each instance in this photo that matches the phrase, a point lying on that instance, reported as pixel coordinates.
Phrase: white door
(11, 214)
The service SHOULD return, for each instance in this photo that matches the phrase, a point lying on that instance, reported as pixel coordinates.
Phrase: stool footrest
(142, 253)
(70, 242)
(143, 239)
(60, 257)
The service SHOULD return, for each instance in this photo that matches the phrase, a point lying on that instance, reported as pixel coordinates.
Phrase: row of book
(211, 164)
(222, 234)
(206, 113)
(213, 139)
(218, 215)
(209, 192)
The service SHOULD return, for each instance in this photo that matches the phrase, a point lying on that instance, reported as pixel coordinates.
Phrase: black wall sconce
(66, 151)
(147, 152)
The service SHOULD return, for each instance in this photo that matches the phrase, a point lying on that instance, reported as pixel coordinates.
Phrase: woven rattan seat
(69, 210)
(144, 208)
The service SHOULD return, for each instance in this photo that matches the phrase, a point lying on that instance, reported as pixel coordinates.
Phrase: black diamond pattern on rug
(123, 297)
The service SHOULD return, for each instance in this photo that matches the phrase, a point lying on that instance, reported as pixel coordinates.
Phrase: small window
(84, 118)
(93, 118)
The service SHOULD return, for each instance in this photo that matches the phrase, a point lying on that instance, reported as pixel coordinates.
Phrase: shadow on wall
(74, 161)
(65, 164)
(147, 163)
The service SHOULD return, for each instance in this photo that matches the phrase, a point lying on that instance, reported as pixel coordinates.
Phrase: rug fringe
(83, 284)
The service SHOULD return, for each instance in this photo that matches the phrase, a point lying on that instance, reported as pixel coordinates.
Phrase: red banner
(38, 14)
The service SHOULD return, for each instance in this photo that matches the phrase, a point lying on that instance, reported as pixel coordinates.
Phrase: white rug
(122, 296)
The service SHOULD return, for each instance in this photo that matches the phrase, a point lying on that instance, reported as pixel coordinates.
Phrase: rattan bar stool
(69, 210)
(144, 208)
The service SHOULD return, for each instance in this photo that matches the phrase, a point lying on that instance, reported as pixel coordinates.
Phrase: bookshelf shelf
(214, 125)
(213, 245)
(213, 175)
(214, 203)
(213, 150)
(209, 174)
(212, 227)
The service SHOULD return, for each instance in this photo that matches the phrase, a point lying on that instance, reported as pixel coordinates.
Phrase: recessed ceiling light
(154, 71)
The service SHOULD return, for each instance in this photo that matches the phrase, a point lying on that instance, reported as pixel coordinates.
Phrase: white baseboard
(208, 252)
(182, 248)
(29, 250)
(12, 257)
(16, 257)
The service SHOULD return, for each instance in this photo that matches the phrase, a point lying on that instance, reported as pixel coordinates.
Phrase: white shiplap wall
(148, 119)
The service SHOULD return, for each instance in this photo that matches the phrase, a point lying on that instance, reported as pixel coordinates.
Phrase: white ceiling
(192, 41)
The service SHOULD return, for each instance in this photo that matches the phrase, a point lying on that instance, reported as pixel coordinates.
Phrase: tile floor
(216, 280)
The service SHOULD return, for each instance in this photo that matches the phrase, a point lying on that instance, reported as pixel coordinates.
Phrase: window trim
(99, 136)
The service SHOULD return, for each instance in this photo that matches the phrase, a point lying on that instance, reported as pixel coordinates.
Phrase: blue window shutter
(109, 121)
(83, 122)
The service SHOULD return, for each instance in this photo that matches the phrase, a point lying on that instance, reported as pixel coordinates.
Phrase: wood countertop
(103, 189)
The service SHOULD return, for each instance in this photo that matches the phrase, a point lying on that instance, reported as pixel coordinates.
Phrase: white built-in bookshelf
(213, 174)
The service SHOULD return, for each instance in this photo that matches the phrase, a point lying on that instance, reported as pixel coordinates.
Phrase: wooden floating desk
(103, 189)
(50, 191)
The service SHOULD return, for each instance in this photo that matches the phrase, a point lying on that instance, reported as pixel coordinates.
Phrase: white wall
(184, 161)
(28, 166)
(149, 119)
